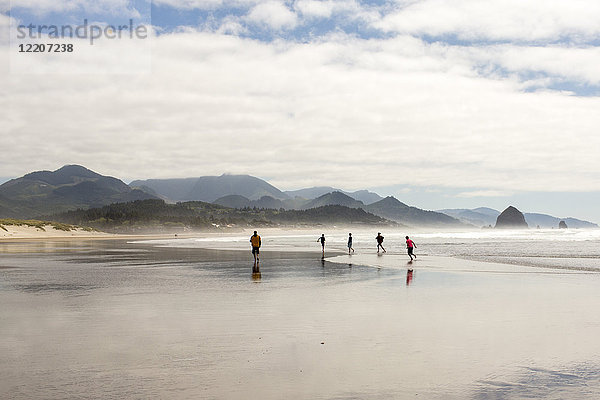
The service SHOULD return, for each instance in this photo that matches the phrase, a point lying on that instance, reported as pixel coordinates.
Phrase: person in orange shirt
(255, 241)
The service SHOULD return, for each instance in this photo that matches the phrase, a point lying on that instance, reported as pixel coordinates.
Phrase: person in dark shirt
(379, 239)
(350, 243)
(322, 240)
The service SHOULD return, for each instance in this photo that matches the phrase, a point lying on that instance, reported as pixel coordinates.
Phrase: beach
(186, 318)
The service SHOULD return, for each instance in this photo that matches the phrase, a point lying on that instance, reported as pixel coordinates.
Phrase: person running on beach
(409, 246)
(379, 239)
(322, 240)
(255, 240)
(350, 243)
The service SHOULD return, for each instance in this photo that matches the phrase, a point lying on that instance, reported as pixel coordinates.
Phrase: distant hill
(151, 214)
(487, 211)
(233, 201)
(311, 193)
(67, 188)
(237, 201)
(365, 196)
(334, 198)
(331, 214)
(211, 188)
(270, 202)
(393, 209)
(548, 221)
(478, 217)
(484, 216)
(167, 189)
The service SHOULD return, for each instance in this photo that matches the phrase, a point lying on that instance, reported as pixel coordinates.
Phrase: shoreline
(224, 241)
(16, 232)
(22, 233)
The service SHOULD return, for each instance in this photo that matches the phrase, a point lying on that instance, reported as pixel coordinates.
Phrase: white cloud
(274, 14)
(190, 4)
(231, 26)
(521, 20)
(344, 112)
(5, 24)
(337, 11)
(485, 193)
(205, 4)
(572, 63)
(41, 7)
(315, 8)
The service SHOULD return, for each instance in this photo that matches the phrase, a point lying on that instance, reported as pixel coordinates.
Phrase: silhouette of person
(379, 239)
(350, 243)
(256, 242)
(322, 240)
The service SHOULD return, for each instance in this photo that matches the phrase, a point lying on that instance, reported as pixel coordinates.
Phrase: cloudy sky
(441, 103)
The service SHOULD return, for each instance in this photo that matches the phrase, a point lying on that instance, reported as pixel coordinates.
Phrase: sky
(443, 104)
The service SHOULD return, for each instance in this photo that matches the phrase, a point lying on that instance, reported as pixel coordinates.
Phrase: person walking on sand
(379, 239)
(255, 241)
(322, 240)
(409, 246)
(350, 243)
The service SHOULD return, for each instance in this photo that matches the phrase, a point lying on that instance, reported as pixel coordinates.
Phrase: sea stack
(562, 225)
(511, 218)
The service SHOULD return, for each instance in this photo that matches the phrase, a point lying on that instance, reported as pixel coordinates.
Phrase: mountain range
(67, 188)
(210, 188)
(393, 209)
(389, 208)
(71, 187)
(365, 196)
(484, 216)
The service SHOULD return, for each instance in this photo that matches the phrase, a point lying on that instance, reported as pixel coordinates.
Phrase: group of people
(410, 245)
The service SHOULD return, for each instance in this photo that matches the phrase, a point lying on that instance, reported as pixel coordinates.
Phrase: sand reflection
(256, 275)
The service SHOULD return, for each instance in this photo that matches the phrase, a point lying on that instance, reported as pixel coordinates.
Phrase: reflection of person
(379, 239)
(255, 241)
(322, 240)
(409, 277)
(409, 246)
(256, 272)
(350, 243)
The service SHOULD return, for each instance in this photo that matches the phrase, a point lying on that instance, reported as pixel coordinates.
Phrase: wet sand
(444, 264)
(111, 319)
(12, 233)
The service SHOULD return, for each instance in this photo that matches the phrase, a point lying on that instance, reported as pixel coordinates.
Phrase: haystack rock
(562, 225)
(511, 218)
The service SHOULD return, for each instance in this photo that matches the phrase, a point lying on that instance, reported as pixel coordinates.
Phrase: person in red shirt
(410, 245)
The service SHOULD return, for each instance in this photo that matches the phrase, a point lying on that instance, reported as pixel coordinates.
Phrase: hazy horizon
(450, 198)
